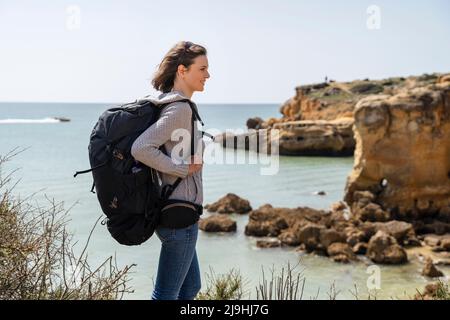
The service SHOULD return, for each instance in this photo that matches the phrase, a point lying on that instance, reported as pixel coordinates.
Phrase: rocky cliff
(332, 100)
(403, 151)
(318, 120)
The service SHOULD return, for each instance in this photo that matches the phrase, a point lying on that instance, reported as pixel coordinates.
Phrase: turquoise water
(56, 150)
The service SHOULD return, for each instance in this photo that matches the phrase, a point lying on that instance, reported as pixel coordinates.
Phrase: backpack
(129, 192)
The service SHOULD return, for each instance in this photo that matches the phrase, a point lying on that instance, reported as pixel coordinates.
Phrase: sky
(258, 50)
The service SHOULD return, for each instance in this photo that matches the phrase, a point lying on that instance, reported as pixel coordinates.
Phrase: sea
(51, 152)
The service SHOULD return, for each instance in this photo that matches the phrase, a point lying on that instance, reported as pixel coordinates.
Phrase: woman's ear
(181, 71)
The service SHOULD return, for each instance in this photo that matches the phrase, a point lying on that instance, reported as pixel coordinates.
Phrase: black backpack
(129, 192)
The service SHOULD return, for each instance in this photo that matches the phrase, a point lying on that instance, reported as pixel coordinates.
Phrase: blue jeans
(178, 270)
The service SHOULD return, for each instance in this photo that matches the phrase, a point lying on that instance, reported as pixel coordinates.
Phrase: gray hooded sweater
(145, 149)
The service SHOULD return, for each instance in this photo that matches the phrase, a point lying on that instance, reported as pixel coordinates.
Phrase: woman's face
(195, 77)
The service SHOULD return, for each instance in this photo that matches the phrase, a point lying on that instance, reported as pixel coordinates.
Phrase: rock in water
(383, 248)
(217, 223)
(430, 270)
(230, 203)
(268, 243)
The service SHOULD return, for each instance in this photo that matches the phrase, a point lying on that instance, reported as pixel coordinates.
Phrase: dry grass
(434, 291)
(287, 285)
(37, 260)
(229, 286)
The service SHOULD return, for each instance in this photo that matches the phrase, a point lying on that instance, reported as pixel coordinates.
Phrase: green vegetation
(366, 88)
(228, 286)
(434, 291)
(289, 284)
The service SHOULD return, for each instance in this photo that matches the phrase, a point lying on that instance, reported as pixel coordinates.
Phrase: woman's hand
(195, 165)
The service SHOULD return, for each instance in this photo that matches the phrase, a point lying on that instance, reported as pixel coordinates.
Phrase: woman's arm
(145, 148)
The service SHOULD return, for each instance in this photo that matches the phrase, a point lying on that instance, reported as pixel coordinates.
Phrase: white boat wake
(44, 120)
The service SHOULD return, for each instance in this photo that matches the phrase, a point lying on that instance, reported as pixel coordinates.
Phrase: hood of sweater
(168, 97)
(164, 98)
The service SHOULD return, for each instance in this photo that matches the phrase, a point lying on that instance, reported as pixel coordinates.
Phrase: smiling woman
(183, 70)
(189, 62)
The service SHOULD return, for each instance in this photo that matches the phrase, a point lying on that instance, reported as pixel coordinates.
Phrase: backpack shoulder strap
(195, 112)
(168, 189)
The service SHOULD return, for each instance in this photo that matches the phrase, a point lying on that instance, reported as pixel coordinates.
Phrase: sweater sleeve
(145, 148)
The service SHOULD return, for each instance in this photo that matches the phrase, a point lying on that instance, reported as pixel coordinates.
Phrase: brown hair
(184, 52)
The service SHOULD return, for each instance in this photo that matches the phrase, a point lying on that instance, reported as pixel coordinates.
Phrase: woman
(183, 70)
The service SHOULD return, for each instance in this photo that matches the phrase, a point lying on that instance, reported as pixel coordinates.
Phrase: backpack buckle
(117, 154)
(166, 191)
(199, 209)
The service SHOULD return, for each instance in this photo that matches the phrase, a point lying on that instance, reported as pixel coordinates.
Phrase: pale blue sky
(259, 50)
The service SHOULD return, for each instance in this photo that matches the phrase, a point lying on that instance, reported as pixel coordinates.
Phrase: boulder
(430, 270)
(432, 240)
(268, 243)
(254, 123)
(217, 223)
(373, 212)
(437, 243)
(329, 236)
(309, 235)
(289, 237)
(341, 252)
(383, 248)
(339, 206)
(305, 214)
(400, 230)
(360, 248)
(355, 236)
(271, 228)
(230, 203)
(445, 243)
(338, 220)
(265, 222)
(368, 229)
